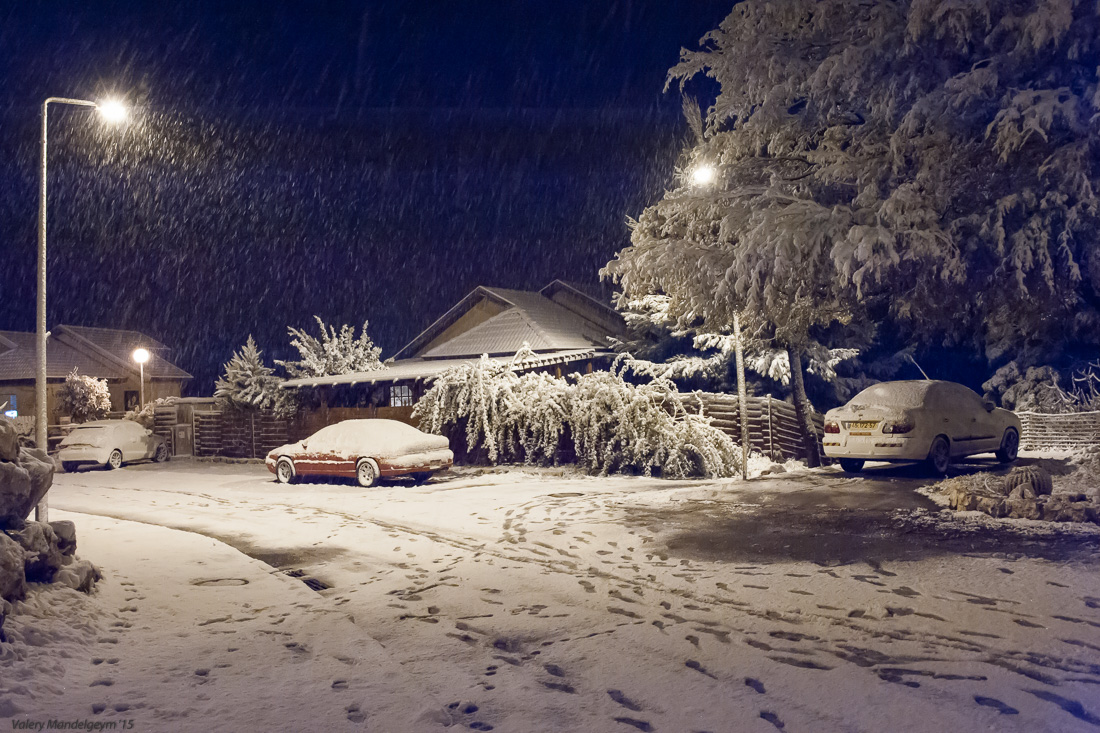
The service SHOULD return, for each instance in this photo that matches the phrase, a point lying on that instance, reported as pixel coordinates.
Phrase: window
(11, 409)
(401, 395)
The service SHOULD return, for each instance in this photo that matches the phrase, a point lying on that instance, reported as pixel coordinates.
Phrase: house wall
(482, 311)
(24, 393)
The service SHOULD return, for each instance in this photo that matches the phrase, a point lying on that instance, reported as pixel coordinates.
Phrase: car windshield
(86, 436)
(893, 394)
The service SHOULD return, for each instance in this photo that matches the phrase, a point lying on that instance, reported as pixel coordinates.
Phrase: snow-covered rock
(66, 537)
(23, 482)
(13, 581)
(1025, 493)
(9, 439)
(43, 557)
(79, 575)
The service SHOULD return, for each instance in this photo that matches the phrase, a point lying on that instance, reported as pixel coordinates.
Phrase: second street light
(141, 356)
(112, 111)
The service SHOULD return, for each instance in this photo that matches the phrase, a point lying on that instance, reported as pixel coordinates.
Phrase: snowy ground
(548, 601)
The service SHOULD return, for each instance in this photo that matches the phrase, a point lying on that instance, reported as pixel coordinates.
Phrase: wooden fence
(1069, 430)
(239, 434)
(773, 424)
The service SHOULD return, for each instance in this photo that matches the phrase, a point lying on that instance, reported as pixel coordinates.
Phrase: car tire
(160, 455)
(421, 476)
(366, 473)
(1010, 446)
(114, 461)
(284, 470)
(851, 465)
(70, 466)
(939, 455)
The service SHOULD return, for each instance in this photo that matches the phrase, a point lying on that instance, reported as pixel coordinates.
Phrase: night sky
(354, 160)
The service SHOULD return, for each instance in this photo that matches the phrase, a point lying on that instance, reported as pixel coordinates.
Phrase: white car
(365, 450)
(110, 443)
(924, 420)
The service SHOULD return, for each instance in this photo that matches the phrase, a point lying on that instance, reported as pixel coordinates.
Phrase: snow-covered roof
(429, 369)
(522, 316)
(17, 359)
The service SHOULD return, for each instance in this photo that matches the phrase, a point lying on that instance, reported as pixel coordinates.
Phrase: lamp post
(113, 112)
(141, 356)
(703, 176)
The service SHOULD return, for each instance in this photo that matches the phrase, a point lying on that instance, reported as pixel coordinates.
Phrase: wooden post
(741, 396)
(771, 444)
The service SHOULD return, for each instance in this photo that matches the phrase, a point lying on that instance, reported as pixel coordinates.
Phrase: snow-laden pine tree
(334, 353)
(248, 383)
(933, 162)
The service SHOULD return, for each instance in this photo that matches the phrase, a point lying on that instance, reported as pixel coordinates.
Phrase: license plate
(863, 425)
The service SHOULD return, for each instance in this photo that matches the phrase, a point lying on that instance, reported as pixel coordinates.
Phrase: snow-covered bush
(334, 353)
(84, 398)
(614, 425)
(145, 415)
(249, 384)
(1039, 389)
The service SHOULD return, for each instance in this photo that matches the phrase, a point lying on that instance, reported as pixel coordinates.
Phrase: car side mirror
(988, 405)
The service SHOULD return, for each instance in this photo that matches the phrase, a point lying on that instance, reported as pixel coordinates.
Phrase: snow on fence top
(1063, 430)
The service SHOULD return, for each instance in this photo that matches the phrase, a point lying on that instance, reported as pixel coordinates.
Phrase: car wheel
(1010, 446)
(114, 460)
(851, 465)
(421, 476)
(365, 473)
(70, 466)
(160, 455)
(284, 470)
(939, 455)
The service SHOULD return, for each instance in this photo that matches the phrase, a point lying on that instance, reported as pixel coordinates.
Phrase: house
(569, 328)
(104, 353)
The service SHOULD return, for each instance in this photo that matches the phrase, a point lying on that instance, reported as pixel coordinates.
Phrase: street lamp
(112, 111)
(703, 175)
(141, 356)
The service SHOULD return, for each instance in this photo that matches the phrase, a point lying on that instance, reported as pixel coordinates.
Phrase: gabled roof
(117, 346)
(526, 317)
(92, 351)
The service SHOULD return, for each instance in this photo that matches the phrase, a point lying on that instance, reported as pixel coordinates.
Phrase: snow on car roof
(905, 393)
(375, 437)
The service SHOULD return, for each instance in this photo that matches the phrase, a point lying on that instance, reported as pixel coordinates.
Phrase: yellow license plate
(864, 425)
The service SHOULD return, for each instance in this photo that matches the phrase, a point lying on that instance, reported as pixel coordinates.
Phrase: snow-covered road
(544, 601)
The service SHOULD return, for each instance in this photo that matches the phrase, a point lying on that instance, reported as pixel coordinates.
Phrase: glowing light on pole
(703, 175)
(141, 356)
(112, 112)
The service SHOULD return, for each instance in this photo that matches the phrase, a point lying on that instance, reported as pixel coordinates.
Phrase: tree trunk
(802, 408)
(742, 398)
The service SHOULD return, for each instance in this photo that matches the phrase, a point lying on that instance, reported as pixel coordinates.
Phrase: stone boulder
(66, 537)
(13, 579)
(23, 483)
(9, 439)
(1028, 482)
(42, 555)
(79, 575)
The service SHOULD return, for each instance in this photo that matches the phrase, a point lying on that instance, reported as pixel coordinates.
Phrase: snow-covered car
(926, 420)
(110, 443)
(365, 450)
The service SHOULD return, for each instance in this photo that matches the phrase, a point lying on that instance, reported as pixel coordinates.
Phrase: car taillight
(832, 427)
(896, 428)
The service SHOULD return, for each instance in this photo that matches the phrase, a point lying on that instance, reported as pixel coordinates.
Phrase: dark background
(354, 160)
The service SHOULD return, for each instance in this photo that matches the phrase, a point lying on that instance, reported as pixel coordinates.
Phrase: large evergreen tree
(249, 384)
(930, 162)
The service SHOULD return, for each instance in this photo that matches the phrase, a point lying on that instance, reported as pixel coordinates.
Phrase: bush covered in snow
(84, 398)
(146, 415)
(611, 424)
(334, 353)
(1039, 389)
